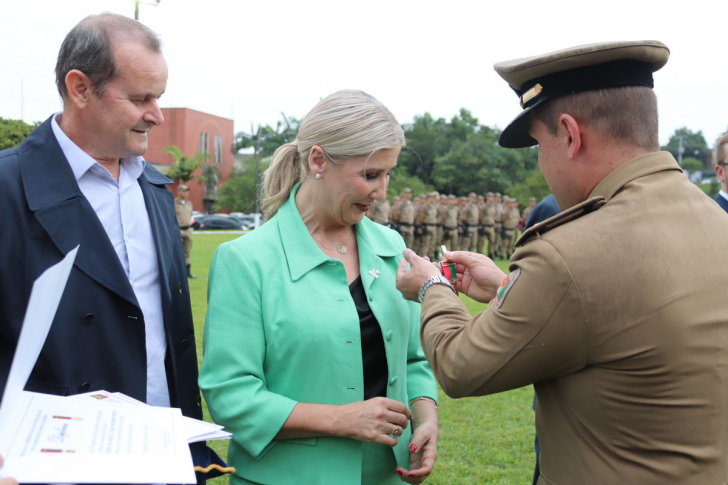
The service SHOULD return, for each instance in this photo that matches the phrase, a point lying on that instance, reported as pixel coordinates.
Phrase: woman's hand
(423, 445)
(377, 420)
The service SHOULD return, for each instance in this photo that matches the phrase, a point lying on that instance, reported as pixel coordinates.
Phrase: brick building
(194, 132)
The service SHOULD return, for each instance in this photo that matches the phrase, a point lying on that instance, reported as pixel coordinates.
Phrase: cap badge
(530, 94)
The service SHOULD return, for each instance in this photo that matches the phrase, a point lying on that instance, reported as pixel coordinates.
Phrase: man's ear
(571, 134)
(79, 88)
(316, 160)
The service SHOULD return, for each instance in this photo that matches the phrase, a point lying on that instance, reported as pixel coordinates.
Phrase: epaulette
(562, 218)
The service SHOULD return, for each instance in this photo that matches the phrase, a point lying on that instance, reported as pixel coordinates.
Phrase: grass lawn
(483, 440)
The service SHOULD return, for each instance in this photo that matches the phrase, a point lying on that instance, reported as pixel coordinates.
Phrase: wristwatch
(434, 280)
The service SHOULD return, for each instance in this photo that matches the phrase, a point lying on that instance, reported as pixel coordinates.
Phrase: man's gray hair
(89, 48)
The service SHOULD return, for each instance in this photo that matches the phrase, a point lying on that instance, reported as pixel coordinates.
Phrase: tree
(425, 142)
(209, 176)
(183, 167)
(690, 164)
(14, 132)
(238, 194)
(478, 164)
(693, 145)
(533, 186)
(264, 140)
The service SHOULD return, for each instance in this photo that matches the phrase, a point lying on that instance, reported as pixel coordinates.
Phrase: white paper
(53, 439)
(60, 440)
(195, 430)
(42, 305)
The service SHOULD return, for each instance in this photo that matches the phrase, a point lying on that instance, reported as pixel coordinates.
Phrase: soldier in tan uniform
(407, 218)
(183, 209)
(481, 227)
(470, 221)
(450, 223)
(498, 200)
(615, 309)
(379, 212)
(528, 209)
(509, 221)
(429, 225)
(489, 223)
(442, 206)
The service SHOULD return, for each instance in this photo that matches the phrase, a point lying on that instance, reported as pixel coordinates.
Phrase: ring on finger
(397, 431)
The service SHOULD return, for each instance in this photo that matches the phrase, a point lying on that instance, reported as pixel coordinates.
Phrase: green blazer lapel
(374, 245)
(302, 253)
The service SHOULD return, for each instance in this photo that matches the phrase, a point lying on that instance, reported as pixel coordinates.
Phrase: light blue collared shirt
(723, 194)
(120, 208)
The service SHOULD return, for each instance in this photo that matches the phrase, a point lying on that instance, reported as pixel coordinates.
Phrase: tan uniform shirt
(183, 210)
(429, 215)
(490, 214)
(379, 211)
(510, 218)
(618, 314)
(451, 217)
(471, 215)
(407, 213)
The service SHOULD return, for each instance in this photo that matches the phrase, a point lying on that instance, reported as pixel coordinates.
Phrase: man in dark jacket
(124, 323)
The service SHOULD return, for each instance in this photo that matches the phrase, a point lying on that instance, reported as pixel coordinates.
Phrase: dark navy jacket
(722, 202)
(97, 339)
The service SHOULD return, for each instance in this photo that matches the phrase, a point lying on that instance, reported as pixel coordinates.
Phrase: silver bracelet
(423, 398)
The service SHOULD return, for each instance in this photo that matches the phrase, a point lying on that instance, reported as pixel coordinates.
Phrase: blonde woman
(312, 357)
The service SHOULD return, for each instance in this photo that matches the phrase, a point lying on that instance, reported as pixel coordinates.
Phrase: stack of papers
(98, 437)
(196, 430)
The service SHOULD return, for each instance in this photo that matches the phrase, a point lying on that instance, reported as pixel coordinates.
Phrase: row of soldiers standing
(487, 225)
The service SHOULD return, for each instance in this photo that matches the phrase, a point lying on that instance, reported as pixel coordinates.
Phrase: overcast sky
(251, 60)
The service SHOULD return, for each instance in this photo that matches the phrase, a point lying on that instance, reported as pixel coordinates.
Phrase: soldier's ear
(569, 133)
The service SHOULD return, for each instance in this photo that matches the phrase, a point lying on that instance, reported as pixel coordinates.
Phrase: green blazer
(282, 328)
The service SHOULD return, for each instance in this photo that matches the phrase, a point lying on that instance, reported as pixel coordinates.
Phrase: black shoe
(189, 273)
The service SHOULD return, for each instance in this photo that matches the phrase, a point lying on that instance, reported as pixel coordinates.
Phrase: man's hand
(478, 276)
(409, 281)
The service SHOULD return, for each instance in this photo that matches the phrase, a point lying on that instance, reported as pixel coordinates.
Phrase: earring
(317, 176)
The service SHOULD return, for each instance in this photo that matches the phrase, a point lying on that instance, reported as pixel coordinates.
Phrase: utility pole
(680, 150)
(136, 6)
(257, 168)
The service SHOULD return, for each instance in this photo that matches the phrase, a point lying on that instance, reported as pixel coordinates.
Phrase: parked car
(246, 220)
(215, 221)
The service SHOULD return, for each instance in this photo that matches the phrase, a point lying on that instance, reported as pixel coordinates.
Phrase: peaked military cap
(586, 67)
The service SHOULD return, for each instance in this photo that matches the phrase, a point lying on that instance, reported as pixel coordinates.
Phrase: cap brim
(516, 134)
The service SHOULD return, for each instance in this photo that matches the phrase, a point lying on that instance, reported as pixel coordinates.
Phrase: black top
(372, 344)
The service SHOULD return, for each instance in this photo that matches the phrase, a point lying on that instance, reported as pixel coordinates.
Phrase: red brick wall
(182, 127)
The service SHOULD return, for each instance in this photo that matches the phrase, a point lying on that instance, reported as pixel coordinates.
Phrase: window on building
(205, 143)
(218, 149)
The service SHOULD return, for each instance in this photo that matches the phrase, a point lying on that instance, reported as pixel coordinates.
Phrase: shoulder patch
(590, 205)
(506, 286)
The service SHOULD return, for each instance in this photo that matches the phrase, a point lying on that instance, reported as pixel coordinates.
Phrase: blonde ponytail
(286, 169)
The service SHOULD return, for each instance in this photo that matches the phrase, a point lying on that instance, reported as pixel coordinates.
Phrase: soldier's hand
(478, 276)
(409, 281)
